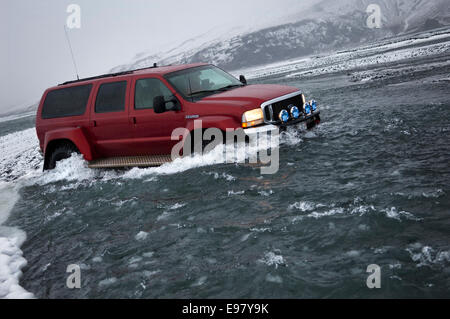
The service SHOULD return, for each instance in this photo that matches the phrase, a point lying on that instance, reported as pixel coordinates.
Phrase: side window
(146, 90)
(111, 97)
(66, 102)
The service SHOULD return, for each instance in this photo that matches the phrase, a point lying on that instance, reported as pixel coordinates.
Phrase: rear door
(110, 126)
(153, 132)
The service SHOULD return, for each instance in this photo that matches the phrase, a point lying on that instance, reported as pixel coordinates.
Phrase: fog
(35, 54)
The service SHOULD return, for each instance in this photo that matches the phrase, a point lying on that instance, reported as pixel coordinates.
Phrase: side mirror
(159, 104)
(243, 79)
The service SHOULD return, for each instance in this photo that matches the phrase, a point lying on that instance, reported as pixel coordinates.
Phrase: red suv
(120, 119)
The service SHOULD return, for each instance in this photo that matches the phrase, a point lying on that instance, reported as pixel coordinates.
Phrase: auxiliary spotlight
(284, 116)
(295, 112)
(313, 105)
(307, 108)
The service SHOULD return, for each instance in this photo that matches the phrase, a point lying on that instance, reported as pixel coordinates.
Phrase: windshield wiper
(225, 88)
(203, 91)
(230, 87)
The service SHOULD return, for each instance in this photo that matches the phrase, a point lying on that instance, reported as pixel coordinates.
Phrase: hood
(249, 96)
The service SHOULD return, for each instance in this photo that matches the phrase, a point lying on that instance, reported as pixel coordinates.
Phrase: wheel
(61, 152)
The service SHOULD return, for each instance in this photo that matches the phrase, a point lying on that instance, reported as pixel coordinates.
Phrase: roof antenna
(71, 51)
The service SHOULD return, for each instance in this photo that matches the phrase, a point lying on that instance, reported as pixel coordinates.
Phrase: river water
(370, 185)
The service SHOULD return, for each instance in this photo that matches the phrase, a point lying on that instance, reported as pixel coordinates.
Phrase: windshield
(199, 82)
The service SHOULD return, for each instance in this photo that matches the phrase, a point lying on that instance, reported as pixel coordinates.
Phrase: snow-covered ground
(427, 44)
(19, 155)
(11, 259)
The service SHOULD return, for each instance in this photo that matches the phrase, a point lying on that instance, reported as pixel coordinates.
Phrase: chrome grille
(272, 110)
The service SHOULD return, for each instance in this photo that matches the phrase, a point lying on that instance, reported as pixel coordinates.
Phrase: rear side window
(111, 97)
(147, 90)
(66, 102)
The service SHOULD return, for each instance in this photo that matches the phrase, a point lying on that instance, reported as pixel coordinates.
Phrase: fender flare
(75, 135)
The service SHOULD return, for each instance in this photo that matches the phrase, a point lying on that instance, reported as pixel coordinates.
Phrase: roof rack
(109, 75)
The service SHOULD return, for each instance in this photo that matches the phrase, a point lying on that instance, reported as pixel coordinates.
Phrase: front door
(153, 132)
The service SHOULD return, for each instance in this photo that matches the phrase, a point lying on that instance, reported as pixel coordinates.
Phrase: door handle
(134, 120)
(95, 123)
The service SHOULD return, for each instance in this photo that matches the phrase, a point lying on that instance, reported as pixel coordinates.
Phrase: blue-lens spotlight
(284, 116)
(314, 105)
(295, 112)
(307, 108)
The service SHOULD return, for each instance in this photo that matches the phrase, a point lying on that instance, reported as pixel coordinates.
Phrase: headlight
(252, 118)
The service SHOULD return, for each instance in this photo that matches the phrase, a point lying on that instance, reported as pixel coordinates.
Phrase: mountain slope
(326, 26)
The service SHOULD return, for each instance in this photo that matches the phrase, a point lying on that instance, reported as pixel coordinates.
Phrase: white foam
(266, 193)
(26, 164)
(331, 212)
(353, 253)
(245, 237)
(164, 216)
(219, 155)
(272, 259)
(177, 206)
(148, 255)
(428, 256)
(97, 259)
(11, 259)
(394, 213)
(200, 282)
(225, 176)
(274, 279)
(21, 160)
(291, 137)
(141, 236)
(232, 193)
(302, 206)
(107, 282)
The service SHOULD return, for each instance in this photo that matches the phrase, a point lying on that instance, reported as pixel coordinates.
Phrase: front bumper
(260, 129)
(307, 118)
(272, 127)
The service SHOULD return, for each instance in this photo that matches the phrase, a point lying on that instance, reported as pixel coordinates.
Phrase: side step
(131, 161)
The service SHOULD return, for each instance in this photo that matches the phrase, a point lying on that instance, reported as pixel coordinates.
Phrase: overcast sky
(35, 53)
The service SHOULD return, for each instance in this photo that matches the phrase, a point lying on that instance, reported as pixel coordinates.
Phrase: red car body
(133, 132)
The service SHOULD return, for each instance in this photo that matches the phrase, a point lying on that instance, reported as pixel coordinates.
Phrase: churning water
(370, 185)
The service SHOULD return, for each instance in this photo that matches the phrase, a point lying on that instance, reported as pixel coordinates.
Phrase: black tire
(61, 152)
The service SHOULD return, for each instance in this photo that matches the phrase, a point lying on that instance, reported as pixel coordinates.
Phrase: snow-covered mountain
(326, 26)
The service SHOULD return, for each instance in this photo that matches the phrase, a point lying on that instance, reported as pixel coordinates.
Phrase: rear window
(66, 102)
(111, 97)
